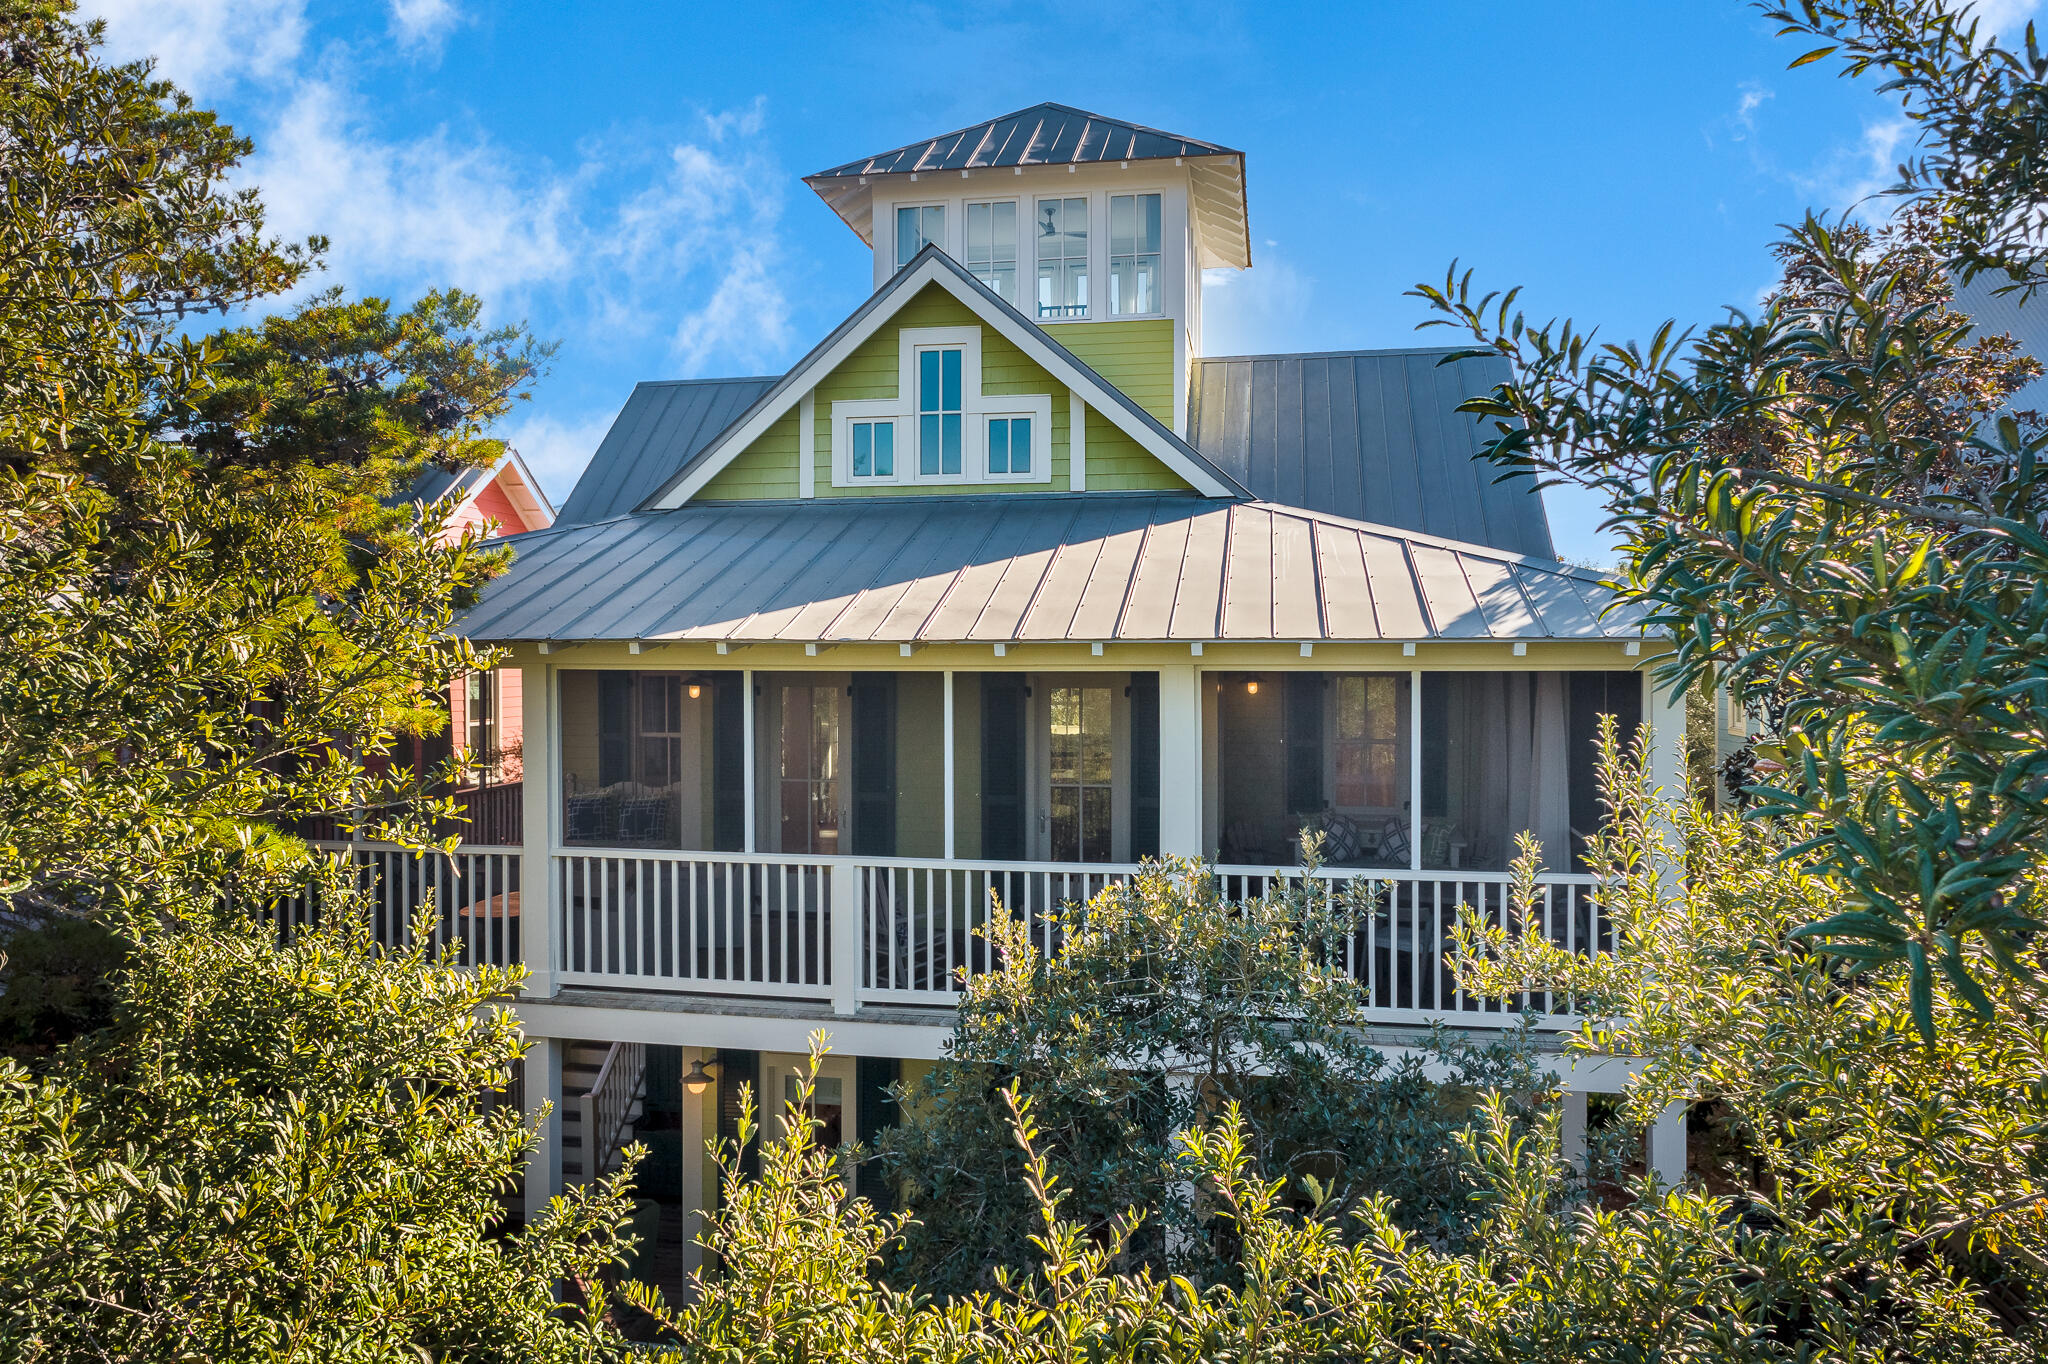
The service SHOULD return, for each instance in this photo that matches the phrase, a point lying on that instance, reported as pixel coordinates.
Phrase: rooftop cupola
(1071, 217)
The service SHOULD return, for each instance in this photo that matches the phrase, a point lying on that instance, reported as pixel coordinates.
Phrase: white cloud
(431, 210)
(2006, 18)
(1263, 309)
(425, 22)
(206, 46)
(556, 448)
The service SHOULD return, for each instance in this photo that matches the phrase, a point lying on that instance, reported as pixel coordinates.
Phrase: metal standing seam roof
(680, 453)
(1008, 569)
(663, 425)
(1373, 435)
(1042, 135)
(1059, 135)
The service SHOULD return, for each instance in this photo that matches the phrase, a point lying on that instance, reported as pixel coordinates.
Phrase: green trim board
(771, 467)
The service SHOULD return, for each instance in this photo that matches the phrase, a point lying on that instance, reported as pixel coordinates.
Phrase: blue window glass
(885, 449)
(863, 450)
(874, 449)
(999, 446)
(1020, 445)
(939, 414)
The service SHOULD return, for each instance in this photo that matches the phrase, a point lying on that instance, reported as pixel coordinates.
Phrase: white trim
(806, 442)
(1077, 443)
(1026, 338)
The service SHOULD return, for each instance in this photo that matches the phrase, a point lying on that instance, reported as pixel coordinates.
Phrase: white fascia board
(1025, 338)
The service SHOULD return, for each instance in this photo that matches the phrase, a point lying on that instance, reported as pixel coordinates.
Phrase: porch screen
(1314, 751)
(639, 758)
(1496, 754)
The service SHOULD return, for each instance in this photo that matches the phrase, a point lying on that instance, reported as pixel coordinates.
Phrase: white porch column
(539, 775)
(1666, 716)
(1572, 1130)
(543, 1082)
(692, 1182)
(1665, 1147)
(849, 925)
(1180, 761)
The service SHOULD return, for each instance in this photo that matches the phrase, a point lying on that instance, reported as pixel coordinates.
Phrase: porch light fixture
(696, 691)
(1251, 687)
(699, 1079)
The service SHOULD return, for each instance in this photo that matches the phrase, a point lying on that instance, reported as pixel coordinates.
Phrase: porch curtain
(1508, 740)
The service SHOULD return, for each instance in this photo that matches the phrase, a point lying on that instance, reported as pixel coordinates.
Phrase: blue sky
(625, 178)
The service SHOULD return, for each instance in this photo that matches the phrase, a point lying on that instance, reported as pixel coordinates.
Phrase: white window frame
(1090, 309)
(975, 410)
(1016, 266)
(945, 226)
(1110, 257)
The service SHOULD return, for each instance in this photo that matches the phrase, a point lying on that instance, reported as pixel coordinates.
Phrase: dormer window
(940, 427)
(939, 412)
(1061, 227)
(915, 227)
(992, 246)
(1134, 255)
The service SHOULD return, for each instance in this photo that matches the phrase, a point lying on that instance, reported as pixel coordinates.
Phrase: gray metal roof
(657, 433)
(664, 449)
(1374, 435)
(433, 483)
(1044, 134)
(1060, 135)
(1022, 568)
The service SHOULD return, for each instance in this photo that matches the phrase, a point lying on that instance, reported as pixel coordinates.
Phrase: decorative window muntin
(1135, 257)
(990, 253)
(916, 225)
(1060, 228)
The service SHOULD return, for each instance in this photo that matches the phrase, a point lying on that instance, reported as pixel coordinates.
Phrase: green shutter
(736, 1069)
(1145, 765)
(1002, 766)
(728, 762)
(874, 764)
(614, 727)
(1304, 743)
(874, 1110)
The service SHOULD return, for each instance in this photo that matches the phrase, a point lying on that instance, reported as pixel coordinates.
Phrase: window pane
(928, 444)
(949, 436)
(863, 449)
(1094, 824)
(977, 233)
(906, 236)
(928, 381)
(1383, 777)
(1383, 708)
(885, 449)
(1350, 707)
(1148, 222)
(1003, 231)
(1020, 446)
(1066, 824)
(1066, 733)
(934, 224)
(1095, 754)
(998, 446)
(949, 384)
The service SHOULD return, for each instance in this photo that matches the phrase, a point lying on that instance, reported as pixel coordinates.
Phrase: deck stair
(604, 1089)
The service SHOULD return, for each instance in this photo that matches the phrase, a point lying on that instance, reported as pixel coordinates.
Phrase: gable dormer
(1096, 229)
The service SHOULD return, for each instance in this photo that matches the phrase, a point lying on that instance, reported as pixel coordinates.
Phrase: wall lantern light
(1251, 687)
(699, 1079)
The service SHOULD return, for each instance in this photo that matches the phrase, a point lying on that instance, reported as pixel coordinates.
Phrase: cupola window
(1133, 254)
(916, 227)
(992, 246)
(1062, 232)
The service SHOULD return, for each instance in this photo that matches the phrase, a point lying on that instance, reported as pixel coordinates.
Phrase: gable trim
(931, 266)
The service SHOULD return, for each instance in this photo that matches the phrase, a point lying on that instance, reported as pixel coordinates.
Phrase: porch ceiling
(1015, 568)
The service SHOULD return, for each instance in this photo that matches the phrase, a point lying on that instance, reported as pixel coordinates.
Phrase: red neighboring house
(484, 708)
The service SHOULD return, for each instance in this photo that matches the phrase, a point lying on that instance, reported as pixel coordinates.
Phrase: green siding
(769, 467)
(1136, 356)
(1118, 464)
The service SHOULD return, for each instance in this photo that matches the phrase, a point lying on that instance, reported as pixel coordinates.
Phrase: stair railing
(608, 1105)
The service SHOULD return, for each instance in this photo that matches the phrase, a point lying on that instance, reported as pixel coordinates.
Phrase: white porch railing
(766, 925)
(475, 892)
(721, 923)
